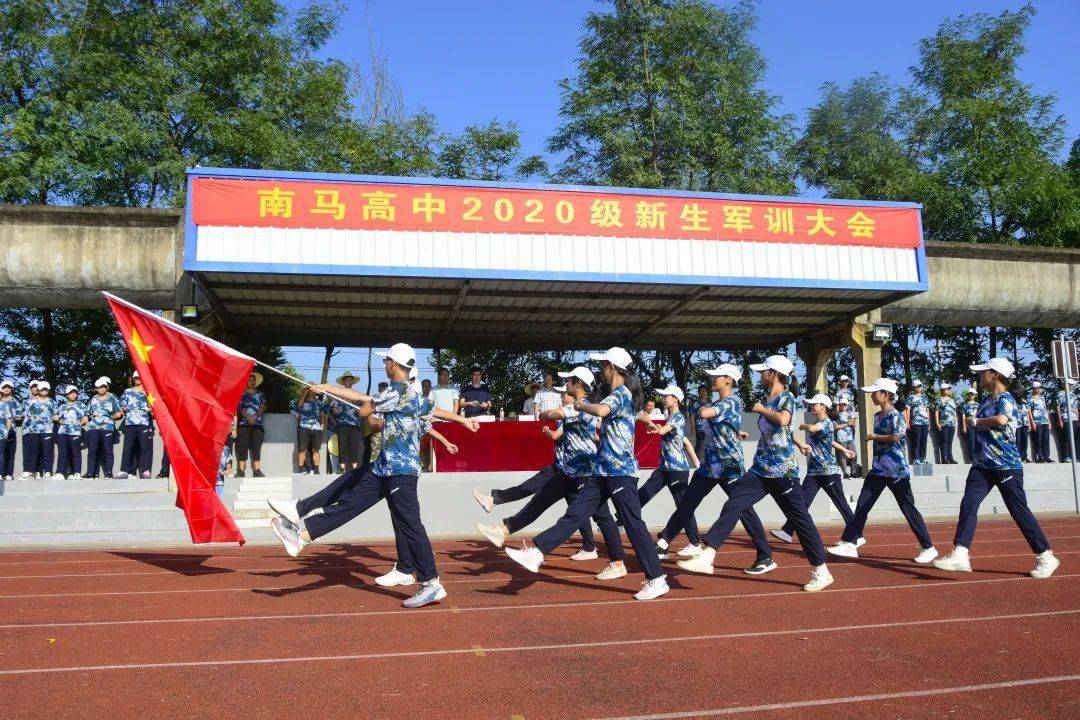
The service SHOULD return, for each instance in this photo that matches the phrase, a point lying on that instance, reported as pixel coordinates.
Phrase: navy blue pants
(1040, 443)
(968, 438)
(596, 491)
(138, 452)
(750, 489)
(917, 435)
(1063, 438)
(946, 433)
(99, 452)
(69, 461)
(700, 486)
(37, 452)
(872, 488)
(1010, 483)
(532, 486)
(833, 486)
(677, 483)
(8, 458)
(165, 465)
(563, 487)
(368, 489)
(1022, 442)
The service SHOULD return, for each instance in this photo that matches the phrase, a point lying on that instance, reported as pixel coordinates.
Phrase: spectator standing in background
(1068, 419)
(350, 436)
(137, 431)
(476, 398)
(1024, 426)
(10, 412)
(443, 396)
(425, 390)
(310, 414)
(701, 425)
(547, 397)
(917, 416)
(970, 409)
(945, 420)
(71, 416)
(529, 406)
(249, 427)
(1040, 416)
(846, 420)
(844, 392)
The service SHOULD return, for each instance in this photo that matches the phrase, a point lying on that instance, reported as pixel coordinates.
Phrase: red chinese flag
(193, 385)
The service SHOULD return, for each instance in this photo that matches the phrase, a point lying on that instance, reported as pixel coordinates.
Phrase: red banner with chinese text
(446, 208)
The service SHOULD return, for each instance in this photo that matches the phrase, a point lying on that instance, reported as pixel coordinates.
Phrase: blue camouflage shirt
(971, 408)
(775, 456)
(847, 394)
(403, 412)
(10, 409)
(250, 402)
(348, 415)
(919, 405)
(995, 447)
(890, 459)
(136, 408)
(224, 460)
(1039, 410)
(1060, 403)
(672, 455)
(822, 458)
(39, 416)
(616, 457)
(575, 452)
(1022, 408)
(70, 413)
(100, 411)
(845, 433)
(309, 414)
(723, 454)
(946, 407)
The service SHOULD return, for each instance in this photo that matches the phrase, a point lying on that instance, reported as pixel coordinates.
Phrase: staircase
(250, 509)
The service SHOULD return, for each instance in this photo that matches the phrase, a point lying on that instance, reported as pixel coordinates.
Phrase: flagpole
(287, 376)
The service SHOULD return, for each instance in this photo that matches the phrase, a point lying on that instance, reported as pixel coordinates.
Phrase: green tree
(488, 152)
(63, 346)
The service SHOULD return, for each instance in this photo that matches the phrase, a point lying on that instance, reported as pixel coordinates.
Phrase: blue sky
(469, 62)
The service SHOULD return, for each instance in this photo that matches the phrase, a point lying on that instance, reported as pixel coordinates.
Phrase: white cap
(841, 400)
(413, 372)
(70, 389)
(8, 382)
(1035, 384)
(583, 374)
(560, 388)
(34, 384)
(134, 375)
(402, 354)
(820, 399)
(672, 390)
(916, 383)
(616, 356)
(971, 391)
(43, 385)
(779, 363)
(885, 384)
(103, 380)
(997, 364)
(726, 370)
(844, 377)
(945, 386)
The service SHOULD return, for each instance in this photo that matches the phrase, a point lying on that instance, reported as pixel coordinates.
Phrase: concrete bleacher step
(82, 487)
(249, 509)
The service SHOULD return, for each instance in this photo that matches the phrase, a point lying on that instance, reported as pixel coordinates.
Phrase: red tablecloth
(517, 445)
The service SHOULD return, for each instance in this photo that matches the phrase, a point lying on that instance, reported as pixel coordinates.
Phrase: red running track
(250, 633)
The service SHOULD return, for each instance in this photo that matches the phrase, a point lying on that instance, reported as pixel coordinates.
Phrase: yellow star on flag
(141, 348)
(151, 399)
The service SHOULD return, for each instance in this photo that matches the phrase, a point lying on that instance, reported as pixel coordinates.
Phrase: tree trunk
(48, 346)
(368, 391)
(329, 353)
(905, 352)
(993, 341)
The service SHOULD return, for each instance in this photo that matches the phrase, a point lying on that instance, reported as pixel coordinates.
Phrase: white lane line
(300, 567)
(534, 648)
(986, 525)
(313, 571)
(533, 606)
(821, 702)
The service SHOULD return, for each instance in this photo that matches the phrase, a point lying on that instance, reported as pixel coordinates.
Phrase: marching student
(822, 470)
(1040, 417)
(674, 470)
(37, 432)
(945, 421)
(615, 475)
(571, 453)
(722, 464)
(393, 475)
(102, 412)
(847, 418)
(10, 414)
(774, 472)
(917, 417)
(138, 454)
(996, 463)
(249, 427)
(71, 416)
(575, 459)
(969, 409)
(890, 470)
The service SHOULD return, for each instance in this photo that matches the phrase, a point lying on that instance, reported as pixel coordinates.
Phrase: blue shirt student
(616, 457)
(1039, 411)
(890, 458)
(672, 455)
(919, 405)
(845, 433)
(247, 412)
(135, 406)
(38, 416)
(775, 456)
(822, 458)
(946, 407)
(309, 413)
(70, 415)
(100, 410)
(995, 447)
(402, 409)
(575, 452)
(723, 446)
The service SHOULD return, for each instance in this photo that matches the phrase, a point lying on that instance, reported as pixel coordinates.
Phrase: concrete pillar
(816, 353)
(868, 365)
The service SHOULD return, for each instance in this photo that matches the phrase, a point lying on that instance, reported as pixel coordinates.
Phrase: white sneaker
(926, 556)
(701, 563)
(8, 478)
(953, 562)
(613, 571)
(845, 549)
(288, 535)
(781, 535)
(121, 476)
(529, 558)
(395, 577)
(1045, 565)
(662, 548)
(286, 509)
(652, 589)
(820, 579)
(46, 476)
(690, 551)
(26, 476)
(485, 501)
(582, 555)
(860, 542)
(494, 533)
